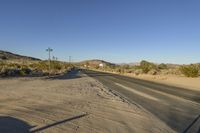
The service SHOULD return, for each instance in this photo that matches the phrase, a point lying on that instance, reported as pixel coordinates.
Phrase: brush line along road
(179, 108)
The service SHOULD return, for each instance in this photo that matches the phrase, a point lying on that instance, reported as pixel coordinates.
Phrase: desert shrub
(42, 65)
(153, 72)
(22, 73)
(26, 71)
(130, 71)
(33, 65)
(66, 67)
(3, 57)
(97, 67)
(112, 66)
(24, 67)
(13, 65)
(126, 67)
(138, 71)
(198, 65)
(56, 65)
(190, 70)
(2, 71)
(1, 65)
(147, 66)
(119, 70)
(162, 66)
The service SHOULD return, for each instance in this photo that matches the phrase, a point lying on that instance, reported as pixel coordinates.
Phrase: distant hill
(5, 55)
(130, 64)
(96, 63)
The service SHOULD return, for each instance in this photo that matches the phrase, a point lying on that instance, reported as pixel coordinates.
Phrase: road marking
(137, 92)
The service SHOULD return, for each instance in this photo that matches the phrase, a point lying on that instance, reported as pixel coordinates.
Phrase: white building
(101, 65)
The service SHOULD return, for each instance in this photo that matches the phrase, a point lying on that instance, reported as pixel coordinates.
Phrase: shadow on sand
(67, 76)
(14, 125)
(58, 123)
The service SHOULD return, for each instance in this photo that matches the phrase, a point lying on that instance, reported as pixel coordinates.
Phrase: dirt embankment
(79, 104)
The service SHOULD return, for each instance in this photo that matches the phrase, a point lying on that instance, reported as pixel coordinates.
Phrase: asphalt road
(179, 108)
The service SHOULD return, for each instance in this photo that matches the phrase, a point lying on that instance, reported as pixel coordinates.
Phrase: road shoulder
(41, 102)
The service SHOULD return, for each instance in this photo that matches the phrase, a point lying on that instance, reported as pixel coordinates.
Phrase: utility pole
(70, 58)
(49, 50)
(54, 58)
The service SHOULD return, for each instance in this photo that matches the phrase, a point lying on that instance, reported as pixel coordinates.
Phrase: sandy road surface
(75, 104)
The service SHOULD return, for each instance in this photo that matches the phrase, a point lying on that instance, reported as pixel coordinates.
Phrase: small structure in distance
(101, 65)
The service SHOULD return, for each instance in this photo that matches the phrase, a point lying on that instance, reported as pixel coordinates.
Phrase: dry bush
(190, 70)
(147, 66)
(162, 66)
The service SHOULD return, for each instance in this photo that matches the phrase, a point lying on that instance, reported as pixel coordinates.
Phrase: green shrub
(190, 70)
(162, 66)
(147, 66)
(22, 73)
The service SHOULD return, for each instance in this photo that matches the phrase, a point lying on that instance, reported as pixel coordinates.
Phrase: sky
(119, 31)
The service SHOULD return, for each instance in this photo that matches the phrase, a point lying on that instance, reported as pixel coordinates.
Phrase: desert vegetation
(146, 67)
(32, 68)
(190, 70)
(18, 65)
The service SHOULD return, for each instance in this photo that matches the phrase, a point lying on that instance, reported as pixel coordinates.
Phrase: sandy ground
(80, 104)
(180, 81)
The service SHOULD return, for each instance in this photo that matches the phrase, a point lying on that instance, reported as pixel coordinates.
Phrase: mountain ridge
(6, 55)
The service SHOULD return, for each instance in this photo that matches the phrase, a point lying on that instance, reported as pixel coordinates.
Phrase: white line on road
(137, 92)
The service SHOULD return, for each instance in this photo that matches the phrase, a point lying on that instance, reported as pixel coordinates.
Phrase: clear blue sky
(113, 30)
